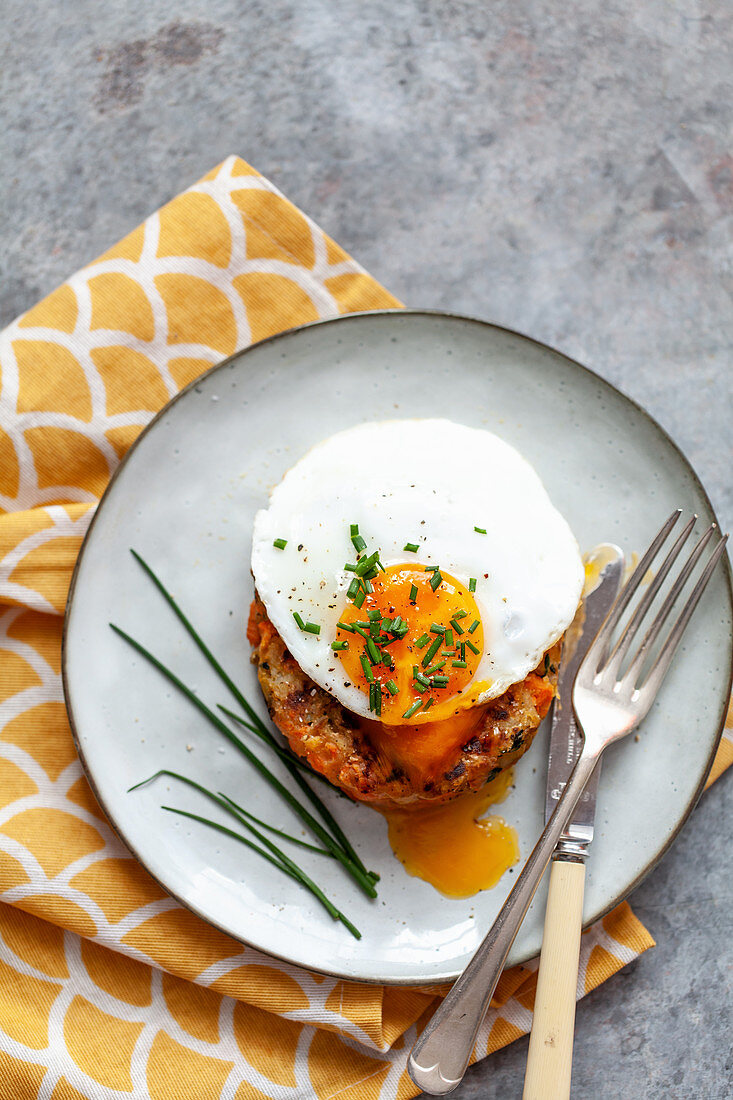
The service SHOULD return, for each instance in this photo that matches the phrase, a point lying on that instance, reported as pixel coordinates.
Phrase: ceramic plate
(185, 497)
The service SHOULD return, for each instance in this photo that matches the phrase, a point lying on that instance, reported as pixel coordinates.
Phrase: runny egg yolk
(420, 671)
(451, 846)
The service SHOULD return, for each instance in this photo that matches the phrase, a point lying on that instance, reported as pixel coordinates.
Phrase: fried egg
(415, 568)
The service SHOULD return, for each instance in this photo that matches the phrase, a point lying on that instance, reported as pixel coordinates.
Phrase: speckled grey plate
(185, 497)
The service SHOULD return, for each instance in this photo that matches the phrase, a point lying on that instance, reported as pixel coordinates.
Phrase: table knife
(549, 1060)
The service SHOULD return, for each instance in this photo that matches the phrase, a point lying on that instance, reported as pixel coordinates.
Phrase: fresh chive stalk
(286, 865)
(341, 840)
(358, 873)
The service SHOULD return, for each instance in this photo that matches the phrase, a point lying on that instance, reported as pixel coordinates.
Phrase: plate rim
(433, 980)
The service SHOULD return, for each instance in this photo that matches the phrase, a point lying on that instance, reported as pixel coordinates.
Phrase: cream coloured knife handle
(550, 1057)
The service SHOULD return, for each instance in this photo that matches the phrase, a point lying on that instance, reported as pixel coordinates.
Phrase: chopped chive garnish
(358, 630)
(367, 668)
(373, 614)
(434, 668)
(447, 653)
(299, 620)
(413, 593)
(431, 568)
(359, 598)
(411, 547)
(359, 543)
(471, 584)
(280, 544)
(373, 652)
(457, 626)
(353, 529)
(435, 579)
(480, 530)
(461, 614)
(435, 628)
(375, 698)
(440, 681)
(387, 660)
(392, 687)
(345, 626)
(367, 564)
(336, 646)
(353, 588)
(463, 651)
(420, 688)
(458, 664)
(474, 648)
(422, 678)
(432, 651)
(312, 628)
(367, 585)
(449, 637)
(411, 710)
(474, 625)
(387, 626)
(429, 703)
(349, 567)
(422, 641)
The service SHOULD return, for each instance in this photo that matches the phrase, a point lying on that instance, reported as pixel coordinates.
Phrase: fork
(608, 704)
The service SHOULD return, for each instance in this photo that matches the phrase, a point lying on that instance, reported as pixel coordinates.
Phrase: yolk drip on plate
(419, 671)
(451, 846)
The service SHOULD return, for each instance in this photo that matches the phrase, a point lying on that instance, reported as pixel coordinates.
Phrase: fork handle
(441, 1055)
(550, 1056)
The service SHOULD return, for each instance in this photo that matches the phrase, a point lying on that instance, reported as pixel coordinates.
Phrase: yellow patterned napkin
(106, 983)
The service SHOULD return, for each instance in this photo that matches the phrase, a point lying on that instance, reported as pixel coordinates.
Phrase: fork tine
(599, 647)
(622, 645)
(656, 675)
(654, 630)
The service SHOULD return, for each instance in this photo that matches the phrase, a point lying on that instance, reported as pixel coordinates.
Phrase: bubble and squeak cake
(413, 583)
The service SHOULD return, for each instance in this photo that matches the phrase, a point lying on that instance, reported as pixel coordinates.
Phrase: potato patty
(387, 765)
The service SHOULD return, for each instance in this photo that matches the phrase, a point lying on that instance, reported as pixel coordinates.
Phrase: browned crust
(319, 729)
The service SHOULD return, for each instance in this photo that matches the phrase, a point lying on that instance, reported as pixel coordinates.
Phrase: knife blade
(604, 571)
(550, 1055)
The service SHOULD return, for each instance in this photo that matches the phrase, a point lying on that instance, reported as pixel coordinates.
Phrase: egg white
(429, 482)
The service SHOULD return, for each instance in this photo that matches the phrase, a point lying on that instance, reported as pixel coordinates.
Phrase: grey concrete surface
(565, 170)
